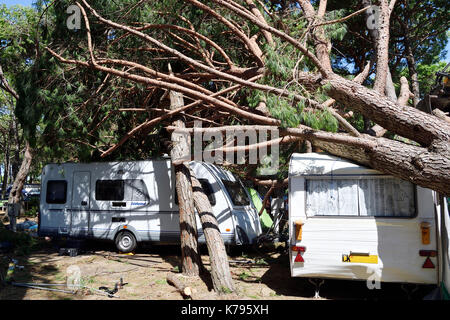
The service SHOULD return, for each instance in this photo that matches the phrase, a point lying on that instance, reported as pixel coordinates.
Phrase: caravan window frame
(356, 177)
(47, 193)
(126, 188)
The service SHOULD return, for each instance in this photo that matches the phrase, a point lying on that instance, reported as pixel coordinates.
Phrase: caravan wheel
(126, 242)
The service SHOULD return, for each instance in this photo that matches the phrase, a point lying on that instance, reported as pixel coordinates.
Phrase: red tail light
(428, 264)
(428, 253)
(299, 250)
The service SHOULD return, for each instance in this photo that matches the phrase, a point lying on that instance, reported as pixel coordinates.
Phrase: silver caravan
(130, 202)
(352, 222)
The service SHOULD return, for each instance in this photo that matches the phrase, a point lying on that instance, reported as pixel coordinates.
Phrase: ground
(260, 274)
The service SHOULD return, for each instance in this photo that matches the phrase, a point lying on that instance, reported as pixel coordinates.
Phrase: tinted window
(109, 190)
(236, 192)
(208, 191)
(56, 191)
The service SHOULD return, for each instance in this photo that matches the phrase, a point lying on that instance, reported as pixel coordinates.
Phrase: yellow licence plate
(360, 259)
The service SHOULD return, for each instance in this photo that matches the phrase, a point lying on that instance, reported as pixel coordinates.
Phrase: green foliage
(70, 113)
(22, 242)
(282, 110)
(335, 31)
(422, 25)
(280, 63)
(426, 75)
(17, 36)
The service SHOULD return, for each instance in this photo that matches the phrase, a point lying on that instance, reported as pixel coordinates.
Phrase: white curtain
(388, 197)
(360, 197)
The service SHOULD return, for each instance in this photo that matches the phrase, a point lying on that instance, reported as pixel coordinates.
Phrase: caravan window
(109, 190)
(56, 191)
(121, 190)
(206, 186)
(236, 192)
(365, 197)
(135, 190)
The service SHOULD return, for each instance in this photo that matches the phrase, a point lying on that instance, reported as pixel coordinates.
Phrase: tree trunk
(405, 121)
(220, 269)
(412, 73)
(19, 181)
(191, 260)
(6, 173)
(16, 162)
(429, 169)
(184, 290)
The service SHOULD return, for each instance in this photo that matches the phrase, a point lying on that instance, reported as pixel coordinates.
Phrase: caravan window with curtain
(365, 197)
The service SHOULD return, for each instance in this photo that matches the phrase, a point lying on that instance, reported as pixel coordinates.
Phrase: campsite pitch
(259, 275)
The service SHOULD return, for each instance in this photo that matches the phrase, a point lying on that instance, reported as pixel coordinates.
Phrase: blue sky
(29, 2)
(13, 2)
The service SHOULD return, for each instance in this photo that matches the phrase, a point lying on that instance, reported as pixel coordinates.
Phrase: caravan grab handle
(359, 253)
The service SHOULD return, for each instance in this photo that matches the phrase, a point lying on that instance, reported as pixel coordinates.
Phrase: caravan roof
(320, 164)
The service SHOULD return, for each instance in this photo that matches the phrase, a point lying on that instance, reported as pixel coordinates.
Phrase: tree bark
(423, 167)
(411, 62)
(412, 73)
(428, 167)
(220, 269)
(180, 152)
(16, 190)
(405, 121)
(184, 290)
(6, 173)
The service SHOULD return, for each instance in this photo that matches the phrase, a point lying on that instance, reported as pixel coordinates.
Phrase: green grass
(60, 277)
(161, 281)
(244, 275)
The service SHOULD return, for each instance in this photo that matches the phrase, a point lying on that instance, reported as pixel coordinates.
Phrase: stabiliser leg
(317, 283)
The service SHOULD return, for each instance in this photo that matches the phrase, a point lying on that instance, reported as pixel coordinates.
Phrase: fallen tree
(281, 88)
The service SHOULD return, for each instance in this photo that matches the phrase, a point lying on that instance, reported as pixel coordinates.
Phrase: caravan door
(80, 203)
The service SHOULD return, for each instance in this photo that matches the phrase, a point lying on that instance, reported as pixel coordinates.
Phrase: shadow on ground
(278, 278)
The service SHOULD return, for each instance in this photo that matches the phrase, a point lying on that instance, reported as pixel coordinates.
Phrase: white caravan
(351, 222)
(130, 202)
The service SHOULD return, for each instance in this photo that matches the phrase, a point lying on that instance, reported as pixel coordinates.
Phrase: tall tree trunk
(411, 61)
(220, 269)
(412, 72)
(16, 162)
(191, 261)
(180, 151)
(6, 173)
(16, 191)
(19, 181)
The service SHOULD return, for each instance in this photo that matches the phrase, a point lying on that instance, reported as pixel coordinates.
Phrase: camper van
(351, 222)
(130, 202)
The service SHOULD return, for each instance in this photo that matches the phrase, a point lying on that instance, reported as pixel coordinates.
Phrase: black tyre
(126, 242)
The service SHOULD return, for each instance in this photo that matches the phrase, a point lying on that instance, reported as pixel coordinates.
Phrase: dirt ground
(260, 274)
